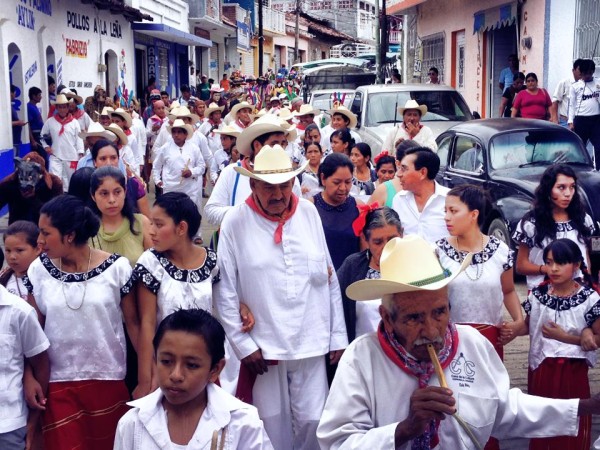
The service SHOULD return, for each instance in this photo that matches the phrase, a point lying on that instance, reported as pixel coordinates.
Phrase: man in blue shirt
(35, 122)
(507, 74)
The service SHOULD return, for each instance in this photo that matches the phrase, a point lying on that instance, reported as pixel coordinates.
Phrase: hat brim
(235, 134)
(121, 136)
(236, 108)
(209, 111)
(245, 139)
(195, 118)
(375, 289)
(422, 108)
(75, 97)
(187, 128)
(109, 135)
(126, 118)
(348, 114)
(272, 178)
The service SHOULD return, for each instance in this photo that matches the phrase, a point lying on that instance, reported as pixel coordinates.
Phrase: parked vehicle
(335, 77)
(507, 157)
(377, 109)
(323, 98)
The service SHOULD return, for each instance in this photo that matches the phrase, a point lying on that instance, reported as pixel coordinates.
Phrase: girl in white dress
(477, 294)
(174, 274)
(82, 296)
(21, 249)
(558, 212)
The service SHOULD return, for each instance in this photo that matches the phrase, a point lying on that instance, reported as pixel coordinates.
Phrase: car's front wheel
(499, 230)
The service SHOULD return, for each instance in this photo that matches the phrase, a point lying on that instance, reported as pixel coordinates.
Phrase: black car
(507, 157)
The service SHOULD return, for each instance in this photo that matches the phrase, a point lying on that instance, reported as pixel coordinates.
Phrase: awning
(398, 7)
(495, 18)
(170, 34)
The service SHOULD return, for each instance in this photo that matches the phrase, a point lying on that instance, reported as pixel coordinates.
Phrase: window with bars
(319, 5)
(587, 30)
(433, 55)
(345, 4)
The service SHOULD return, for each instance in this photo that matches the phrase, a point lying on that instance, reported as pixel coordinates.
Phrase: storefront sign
(76, 48)
(83, 22)
(27, 9)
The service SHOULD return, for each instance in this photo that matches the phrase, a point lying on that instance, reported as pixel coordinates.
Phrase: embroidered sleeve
(27, 284)
(216, 276)
(527, 306)
(128, 286)
(524, 233)
(592, 314)
(510, 260)
(142, 274)
(588, 222)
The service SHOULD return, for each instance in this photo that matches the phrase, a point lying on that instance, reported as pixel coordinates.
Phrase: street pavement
(515, 353)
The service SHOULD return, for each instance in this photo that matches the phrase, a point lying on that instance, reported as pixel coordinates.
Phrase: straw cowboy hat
(106, 111)
(285, 114)
(272, 165)
(306, 110)
(61, 99)
(212, 108)
(407, 264)
(179, 123)
(183, 111)
(116, 129)
(174, 104)
(123, 115)
(97, 130)
(341, 109)
(239, 106)
(266, 124)
(412, 104)
(216, 88)
(228, 130)
(72, 95)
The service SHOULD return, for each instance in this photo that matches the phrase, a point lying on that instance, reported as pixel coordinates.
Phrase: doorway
(112, 73)
(502, 43)
(141, 73)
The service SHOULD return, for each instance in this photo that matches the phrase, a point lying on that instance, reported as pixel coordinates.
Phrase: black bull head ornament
(29, 174)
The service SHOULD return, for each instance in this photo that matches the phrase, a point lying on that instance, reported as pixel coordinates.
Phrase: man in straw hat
(410, 128)
(124, 120)
(241, 115)
(232, 189)
(78, 113)
(273, 255)
(104, 116)
(228, 136)
(179, 164)
(212, 124)
(341, 117)
(421, 204)
(95, 133)
(421, 382)
(60, 139)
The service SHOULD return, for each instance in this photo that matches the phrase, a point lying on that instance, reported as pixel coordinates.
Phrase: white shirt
(88, 343)
(145, 426)
(152, 135)
(15, 286)
(476, 295)
(326, 132)
(584, 98)
(424, 138)
(139, 130)
(163, 136)
(561, 95)
(213, 139)
(231, 189)
(84, 121)
(525, 234)
(21, 336)
(429, 223)
(370, 395)
(296, 303)
(177, 288)
(200, 140)
(171, 160)
(572, 314)
(67, 146)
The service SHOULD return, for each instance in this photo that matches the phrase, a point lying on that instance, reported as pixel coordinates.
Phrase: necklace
(574, 289)
(85, 278)
(478, 266)
(17, 283)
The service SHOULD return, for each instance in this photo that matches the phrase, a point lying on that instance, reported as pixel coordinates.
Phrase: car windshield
(441, 106)
(324, 101)
(536, 147)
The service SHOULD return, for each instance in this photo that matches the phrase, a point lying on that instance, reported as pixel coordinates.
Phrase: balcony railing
(273, 20)
(395, 36)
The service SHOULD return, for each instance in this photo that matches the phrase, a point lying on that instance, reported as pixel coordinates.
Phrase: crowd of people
(347, 299)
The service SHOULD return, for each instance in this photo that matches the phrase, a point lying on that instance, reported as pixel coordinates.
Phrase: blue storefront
(162, 52)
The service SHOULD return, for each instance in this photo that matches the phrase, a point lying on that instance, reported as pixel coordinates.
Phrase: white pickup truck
(376, 107)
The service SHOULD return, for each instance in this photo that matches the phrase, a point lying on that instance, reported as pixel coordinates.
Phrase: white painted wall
(561, 41)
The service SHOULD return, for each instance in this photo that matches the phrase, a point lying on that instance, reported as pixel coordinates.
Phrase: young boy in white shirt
(189, 410)
(21, 339)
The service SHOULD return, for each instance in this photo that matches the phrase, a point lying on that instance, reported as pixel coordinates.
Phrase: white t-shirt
(177, 288)
(83, 317)
(21, 336)
(15, 286)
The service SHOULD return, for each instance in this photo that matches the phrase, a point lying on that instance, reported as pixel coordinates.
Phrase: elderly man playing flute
(421, 382)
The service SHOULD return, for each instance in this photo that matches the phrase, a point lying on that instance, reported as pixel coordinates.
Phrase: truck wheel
(499, 230)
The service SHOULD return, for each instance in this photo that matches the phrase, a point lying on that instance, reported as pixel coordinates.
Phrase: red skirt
(83, 414)
(562, 378)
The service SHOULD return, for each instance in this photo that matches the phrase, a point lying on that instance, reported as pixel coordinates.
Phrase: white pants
(290, 399)
(62, 169)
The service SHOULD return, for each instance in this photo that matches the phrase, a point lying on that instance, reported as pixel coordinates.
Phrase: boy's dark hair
(180, 207)
(198, 322)
(33, 91)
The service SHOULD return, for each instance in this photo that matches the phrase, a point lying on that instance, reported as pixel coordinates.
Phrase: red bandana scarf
(68, 119)
(127, 132)
(240, 124)
(282, 220)
(422, 370)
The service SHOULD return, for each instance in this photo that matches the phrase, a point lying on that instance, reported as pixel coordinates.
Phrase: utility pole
(404, 49)
(297, 35)
(378, 68)
(384, 39)
(261, 38)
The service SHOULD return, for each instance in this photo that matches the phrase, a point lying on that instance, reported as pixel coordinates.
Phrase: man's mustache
(424, 341)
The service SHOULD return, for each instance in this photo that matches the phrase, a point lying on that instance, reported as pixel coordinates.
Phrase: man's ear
(216, 370)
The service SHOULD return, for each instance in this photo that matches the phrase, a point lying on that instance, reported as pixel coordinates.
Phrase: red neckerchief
(156, 119)
(240, 124)
(78, 114)
(68, 119)
(127, 132)
(420, 370)
(281, 220)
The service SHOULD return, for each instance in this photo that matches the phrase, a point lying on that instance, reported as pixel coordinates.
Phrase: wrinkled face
(386, 172)
(306, 119)
(274, 199)
(184, 367)
(418, 318)
(459, 219)
(19, 253)
(563, 191)
(412, 116)
(339, 121)
(378, 237)
(336, 187)
(107, 156)
(62, 110)
(29, 174)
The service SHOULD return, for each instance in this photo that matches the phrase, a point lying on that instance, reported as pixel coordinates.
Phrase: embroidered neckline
(478, 258)
(68, 277)
(190, 275)
(542, 294)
